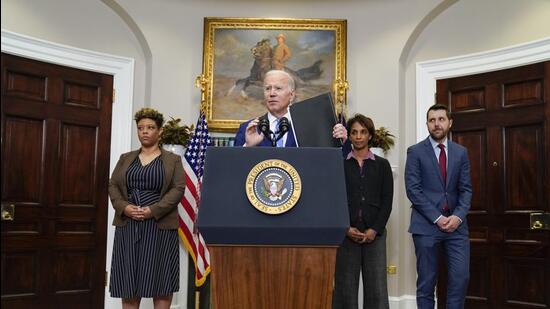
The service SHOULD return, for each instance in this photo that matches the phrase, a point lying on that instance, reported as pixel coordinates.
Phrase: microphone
(263, 126)
(284, 125)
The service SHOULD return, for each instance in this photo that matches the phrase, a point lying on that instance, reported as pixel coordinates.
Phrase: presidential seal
(273, 186)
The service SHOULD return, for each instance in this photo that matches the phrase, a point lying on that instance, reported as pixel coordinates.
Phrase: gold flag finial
(340, 87)
(201, 82)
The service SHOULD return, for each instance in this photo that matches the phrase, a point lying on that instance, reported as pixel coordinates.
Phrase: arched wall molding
(428, 72)
(121, 68)
(145, 48)
(423, 24)
(404, 56)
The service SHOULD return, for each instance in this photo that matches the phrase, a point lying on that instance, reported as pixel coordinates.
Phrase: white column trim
(427, 72)
(122, 69)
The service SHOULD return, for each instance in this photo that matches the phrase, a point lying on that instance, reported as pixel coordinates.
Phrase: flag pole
(197, 298)
(201, 82)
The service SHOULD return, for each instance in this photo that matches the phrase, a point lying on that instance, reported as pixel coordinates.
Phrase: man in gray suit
(438, 184)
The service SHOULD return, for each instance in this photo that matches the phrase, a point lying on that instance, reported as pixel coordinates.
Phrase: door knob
(8, 212)
(540, 221)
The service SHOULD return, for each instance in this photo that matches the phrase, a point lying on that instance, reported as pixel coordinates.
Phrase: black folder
(313, 120)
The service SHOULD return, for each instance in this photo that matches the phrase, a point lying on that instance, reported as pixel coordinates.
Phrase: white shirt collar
(272, 119)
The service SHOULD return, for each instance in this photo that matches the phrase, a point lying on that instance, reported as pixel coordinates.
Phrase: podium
(284, 260)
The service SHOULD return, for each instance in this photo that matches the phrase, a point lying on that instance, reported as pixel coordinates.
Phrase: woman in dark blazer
(369, 185)
(145, 188)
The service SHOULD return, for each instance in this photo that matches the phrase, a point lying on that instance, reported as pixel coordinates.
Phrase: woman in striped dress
(145, 188)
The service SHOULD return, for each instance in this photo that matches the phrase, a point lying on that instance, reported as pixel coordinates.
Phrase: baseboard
(403, 302)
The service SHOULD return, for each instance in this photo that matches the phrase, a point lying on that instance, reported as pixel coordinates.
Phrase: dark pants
(369, 260)
(456, 248)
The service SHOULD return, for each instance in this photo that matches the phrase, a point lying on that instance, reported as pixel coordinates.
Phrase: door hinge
(106, 277)
(114, 95)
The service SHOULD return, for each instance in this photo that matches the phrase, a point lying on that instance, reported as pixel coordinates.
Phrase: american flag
(193, 165)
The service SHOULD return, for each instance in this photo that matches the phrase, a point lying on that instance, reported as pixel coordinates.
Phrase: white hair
(291, 82)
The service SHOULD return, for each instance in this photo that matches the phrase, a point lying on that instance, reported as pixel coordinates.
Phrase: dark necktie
(443, 169)
(443, 162)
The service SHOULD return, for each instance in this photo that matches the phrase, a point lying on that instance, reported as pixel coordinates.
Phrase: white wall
(385, 40)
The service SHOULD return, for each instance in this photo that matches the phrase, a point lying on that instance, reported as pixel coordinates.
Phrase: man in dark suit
(279, 92)
(438, 184)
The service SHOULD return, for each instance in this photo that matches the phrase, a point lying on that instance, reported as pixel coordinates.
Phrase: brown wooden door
(503, 118)
(56, 127)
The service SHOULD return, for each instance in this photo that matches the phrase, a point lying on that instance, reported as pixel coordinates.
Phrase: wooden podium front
(256, 277)
(281, 261)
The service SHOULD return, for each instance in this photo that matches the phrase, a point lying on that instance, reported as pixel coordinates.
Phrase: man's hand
(252, 136)
(370, 234)
(355, 235)
(441, 223)
(339, 131)
(452, 224)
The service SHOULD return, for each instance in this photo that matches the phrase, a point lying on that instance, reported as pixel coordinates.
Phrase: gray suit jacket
(165, 212)
(428, 193)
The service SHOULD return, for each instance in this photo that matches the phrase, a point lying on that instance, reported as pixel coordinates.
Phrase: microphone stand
(274, 139)
(276, 136)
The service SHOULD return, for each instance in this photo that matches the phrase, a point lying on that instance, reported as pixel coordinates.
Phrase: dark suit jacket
(164, 211)
(371, 194)
(428, 193)
(240, 137)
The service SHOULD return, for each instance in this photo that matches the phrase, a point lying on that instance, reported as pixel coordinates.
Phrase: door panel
(25, 85)
(55, 164)
(523, 165)
(78, 161)
(24, 138)
(475, 142)
(21, 273)
(480, 284)
(523, 93)
(529, 291)
(503, 119)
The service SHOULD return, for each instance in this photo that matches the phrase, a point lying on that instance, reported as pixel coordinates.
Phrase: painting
(237, 53)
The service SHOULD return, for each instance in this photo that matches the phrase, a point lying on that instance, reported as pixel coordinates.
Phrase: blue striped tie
(280, 141)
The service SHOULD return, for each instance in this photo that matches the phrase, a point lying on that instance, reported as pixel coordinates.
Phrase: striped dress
(145, 258)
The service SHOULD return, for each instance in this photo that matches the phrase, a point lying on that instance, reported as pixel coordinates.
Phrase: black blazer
(370, 195)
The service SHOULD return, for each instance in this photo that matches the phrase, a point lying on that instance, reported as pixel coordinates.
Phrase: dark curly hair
(149, 113)
(364, 121)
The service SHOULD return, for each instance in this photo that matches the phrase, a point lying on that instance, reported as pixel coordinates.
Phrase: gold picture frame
(238, 51)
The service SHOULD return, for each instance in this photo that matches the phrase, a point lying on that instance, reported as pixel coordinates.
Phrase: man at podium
(275, 128)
